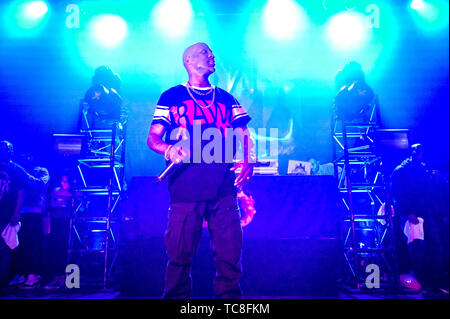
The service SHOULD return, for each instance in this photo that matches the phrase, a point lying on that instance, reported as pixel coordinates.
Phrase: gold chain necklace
(195, 100)
(199, 92)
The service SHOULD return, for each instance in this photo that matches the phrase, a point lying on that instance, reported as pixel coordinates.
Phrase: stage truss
(359, 172)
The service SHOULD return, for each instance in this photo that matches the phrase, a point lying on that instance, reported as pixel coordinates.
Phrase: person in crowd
(59, 209)
(415, 198)
(28, 257)
(32, 218)
(13, 182)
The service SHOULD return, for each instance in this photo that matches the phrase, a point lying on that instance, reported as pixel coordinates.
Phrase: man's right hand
(413, 219)
(177, 154)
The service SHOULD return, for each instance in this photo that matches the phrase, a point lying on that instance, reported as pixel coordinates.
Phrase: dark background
(44, 74)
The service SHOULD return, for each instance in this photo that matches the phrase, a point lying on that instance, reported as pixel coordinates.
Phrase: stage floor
(344, 293)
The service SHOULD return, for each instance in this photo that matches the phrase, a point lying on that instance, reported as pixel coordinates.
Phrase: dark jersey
(12, 179)
(205, 131)
(411, 188)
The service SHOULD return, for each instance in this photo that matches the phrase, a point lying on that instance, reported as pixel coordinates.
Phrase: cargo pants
(182, 237)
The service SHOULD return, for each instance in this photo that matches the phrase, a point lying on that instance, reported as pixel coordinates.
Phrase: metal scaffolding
(362, 184)
(94, 224)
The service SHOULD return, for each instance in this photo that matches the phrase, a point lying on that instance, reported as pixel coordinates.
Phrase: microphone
(169, 170)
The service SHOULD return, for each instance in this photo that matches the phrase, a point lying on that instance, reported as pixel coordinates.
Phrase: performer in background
(352, 102)
(202, 189)
(59, 210)
(103, 98)
(27, 261)
(32, 218)
(13, 181)
(417, 192)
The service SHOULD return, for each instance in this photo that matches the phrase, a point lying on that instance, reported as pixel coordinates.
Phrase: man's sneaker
(444, 291)
(57, 283)
(408, 281)
(17, 280)
(31, 283)
(435, 293)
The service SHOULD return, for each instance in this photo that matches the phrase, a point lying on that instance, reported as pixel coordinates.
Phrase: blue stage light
(348, 30)
(25, 18)
(430, 15)
(108, 30)
(283, 19)
(35, 9)
(172, 17)
(417, 4)
(428, 11)
(30, 14)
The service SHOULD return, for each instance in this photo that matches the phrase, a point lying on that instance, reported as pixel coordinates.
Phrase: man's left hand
(245, 174)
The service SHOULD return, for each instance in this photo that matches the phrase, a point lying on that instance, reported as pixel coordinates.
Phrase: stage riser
(291, 248)
(272, 268)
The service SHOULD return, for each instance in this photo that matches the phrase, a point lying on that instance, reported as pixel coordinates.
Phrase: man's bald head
(190, 50)
(198, 59)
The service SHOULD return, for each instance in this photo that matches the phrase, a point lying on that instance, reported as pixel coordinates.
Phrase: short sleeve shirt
(203, 122)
